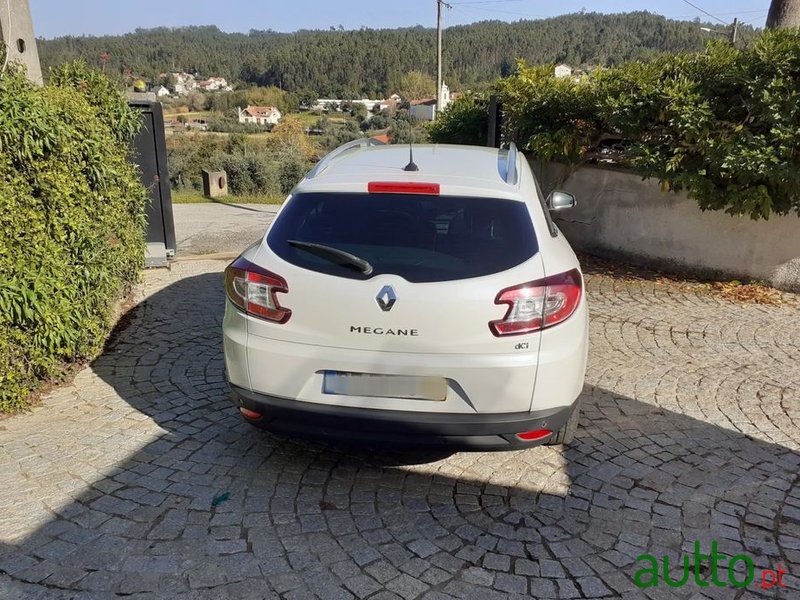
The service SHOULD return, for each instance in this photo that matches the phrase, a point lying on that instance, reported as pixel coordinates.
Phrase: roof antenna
(411, 166)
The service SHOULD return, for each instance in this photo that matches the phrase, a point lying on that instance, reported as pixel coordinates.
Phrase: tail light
(538, 304)
(253, 290)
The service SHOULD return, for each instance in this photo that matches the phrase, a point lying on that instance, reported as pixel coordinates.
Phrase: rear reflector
(250, 414)
(402, 187)
(536, 434)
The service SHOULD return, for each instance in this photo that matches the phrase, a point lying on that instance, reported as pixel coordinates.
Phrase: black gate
(150, 153)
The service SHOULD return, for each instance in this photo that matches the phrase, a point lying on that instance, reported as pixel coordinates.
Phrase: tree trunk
(783, 13)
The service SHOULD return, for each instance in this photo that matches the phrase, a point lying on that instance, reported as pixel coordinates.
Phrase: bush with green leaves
(464, 121)
(71, 222)
(722, 124)
(253, 167)
(249, 174)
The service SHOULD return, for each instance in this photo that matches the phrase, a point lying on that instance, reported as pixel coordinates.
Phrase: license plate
(384, 386)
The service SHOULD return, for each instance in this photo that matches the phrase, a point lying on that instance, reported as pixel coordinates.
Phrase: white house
(260, 115)
(215, 84)
(161, 92)
(184, 83)
(426, 109)
(563, 71)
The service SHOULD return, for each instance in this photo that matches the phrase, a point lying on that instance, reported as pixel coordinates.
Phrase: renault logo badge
(386, 298)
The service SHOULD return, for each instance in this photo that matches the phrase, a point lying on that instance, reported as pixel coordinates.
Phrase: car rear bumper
(492, 431)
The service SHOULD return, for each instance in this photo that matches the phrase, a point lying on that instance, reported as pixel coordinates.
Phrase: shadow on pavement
(208, 507)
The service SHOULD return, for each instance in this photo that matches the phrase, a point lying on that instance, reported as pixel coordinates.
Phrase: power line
(763, 15)
(486, 2)
(504, 12)
(738, 12)
(705, 12)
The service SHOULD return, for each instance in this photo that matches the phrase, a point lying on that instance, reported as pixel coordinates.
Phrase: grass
(184, 197)
(308, 119)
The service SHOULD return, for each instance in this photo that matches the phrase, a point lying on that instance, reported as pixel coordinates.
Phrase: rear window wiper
(339, 257)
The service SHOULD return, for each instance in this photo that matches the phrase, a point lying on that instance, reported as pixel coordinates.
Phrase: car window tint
(420, 238)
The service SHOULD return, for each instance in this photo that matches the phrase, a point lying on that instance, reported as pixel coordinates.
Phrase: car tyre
(566, 434)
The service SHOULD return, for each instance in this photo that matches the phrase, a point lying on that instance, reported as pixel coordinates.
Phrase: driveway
(140, 479)
(216, 228)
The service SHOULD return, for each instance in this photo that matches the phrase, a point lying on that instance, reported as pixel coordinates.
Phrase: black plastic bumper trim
(393, 427)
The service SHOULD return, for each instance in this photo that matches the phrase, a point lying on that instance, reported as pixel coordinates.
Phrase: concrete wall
(16, 31)
(621, 215)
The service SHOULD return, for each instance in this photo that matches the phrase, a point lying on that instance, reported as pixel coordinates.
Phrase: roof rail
(359, 143)
(511, 165)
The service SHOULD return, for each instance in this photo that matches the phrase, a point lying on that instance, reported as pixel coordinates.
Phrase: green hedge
(723, 124)
(71, 222)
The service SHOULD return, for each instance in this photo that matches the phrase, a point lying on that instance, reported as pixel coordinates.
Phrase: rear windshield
(420, 238)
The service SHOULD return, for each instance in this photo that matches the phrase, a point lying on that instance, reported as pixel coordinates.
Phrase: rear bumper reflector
(536, 434)
(250, 414)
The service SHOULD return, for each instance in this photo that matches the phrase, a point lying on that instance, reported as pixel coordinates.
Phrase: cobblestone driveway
(141, 480)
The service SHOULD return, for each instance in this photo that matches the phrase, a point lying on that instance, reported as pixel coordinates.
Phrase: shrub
(291, 169)
(723, 124)
(71, 222)
(254, 167)
(188, 154)
(464, 121)
(249, 175)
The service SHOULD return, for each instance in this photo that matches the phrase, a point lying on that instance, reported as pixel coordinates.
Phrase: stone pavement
(140, 479)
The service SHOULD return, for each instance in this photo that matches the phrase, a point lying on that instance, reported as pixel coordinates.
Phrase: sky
(52, 18)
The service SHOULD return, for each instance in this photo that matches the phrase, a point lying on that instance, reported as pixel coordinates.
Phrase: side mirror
(558, 200)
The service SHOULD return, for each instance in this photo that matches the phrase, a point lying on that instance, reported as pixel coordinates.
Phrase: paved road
(139, 479)
(216, 228)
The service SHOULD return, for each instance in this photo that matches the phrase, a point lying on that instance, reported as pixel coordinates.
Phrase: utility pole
(439, 4)
(732, 33)
(16, 34)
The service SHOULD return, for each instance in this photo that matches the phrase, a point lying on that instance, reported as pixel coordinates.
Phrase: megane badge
(386, 298)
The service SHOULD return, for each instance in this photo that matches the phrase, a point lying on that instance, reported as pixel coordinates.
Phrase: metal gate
(150, 153)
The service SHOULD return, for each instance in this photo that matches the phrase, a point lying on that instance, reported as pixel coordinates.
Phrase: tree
(783, 13)
(416, 84)
(358, 110)
(370, 63)
(289, 139)
(196, 101)
(267, 96)
(465, 121)
(401, 132)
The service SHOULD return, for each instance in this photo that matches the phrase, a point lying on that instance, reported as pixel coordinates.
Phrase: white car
(411, 301)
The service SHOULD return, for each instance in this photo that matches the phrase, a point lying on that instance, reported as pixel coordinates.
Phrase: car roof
(459, 170)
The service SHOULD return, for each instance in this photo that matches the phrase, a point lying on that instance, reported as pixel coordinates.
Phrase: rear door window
(417, 237)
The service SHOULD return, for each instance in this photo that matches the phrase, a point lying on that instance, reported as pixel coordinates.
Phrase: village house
(260, 115)
(160, 91)
(183, 83)
(425, 109)
(215, 84)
